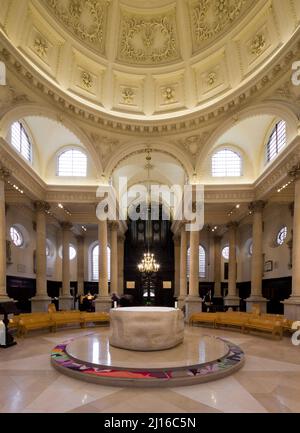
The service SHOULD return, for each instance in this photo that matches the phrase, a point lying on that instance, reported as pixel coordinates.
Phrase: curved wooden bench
(31, 321)
(274, 324)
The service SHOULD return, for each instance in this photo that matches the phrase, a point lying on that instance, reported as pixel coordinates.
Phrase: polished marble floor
(268, 382)
(195, 349)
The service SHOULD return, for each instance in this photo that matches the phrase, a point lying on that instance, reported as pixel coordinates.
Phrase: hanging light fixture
(148, 263)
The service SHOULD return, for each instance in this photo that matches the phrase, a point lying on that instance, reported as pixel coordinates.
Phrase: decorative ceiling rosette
(148, 39)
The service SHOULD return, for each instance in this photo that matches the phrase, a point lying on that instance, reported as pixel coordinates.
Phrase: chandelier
(148, 264)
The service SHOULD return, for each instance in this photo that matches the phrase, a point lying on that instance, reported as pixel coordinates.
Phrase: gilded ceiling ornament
(128, 95)
(86, 80)
(211, 17)
(257, 44)
(148, 40)
(40, 46)
(168, 94)
(86, 19)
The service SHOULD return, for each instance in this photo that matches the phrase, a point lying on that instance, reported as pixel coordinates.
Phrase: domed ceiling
(130, 60)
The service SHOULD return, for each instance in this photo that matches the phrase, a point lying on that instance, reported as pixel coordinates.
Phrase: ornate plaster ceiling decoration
(148, 39)
(211, 18)
(86, 19)
(122, 64)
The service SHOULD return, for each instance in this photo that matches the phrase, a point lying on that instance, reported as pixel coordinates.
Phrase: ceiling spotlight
(60, 206)
(237, 206)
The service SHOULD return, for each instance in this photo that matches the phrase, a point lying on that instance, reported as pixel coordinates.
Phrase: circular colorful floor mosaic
(135, 376)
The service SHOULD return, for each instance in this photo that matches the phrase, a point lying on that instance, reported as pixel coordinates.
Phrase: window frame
(278, 150)
(25, 130)
(200, 275)
(19, 234)
(226, 149)
(69, 149)
(91, 262)
(281, 230)
(224, 258)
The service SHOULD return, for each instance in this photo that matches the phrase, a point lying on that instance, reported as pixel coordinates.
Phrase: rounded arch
(275, 109)
(64, 150)
(25, 110)
(174, 152)
(93, 253)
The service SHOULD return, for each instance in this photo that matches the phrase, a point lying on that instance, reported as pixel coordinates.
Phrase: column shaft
(232, 261)
(217, 266)
(296, 242)
(80, 265)
(183, 259)
(121, 240)
(41, 258)
(103, 270)
(194, 264)
(66, 260)
(114, 258)
(257, 258)
(3, 294)
(177, 266)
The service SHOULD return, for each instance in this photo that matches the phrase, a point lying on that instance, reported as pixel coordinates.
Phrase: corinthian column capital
(295, 172)
(232, 225)
(4, 173)
(41, 205)
(66, 225)
(257, 206)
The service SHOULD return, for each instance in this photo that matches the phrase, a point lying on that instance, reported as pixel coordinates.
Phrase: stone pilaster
(183, 270)
(256, 297)
(41, 300)
(176, 240)
(232, 299)
(65, 300)
(80, 265)
(217, 267)
(103, 302)
(292, 304)
(121, 240)
(114, 257)
(4, 174)
(193, 302)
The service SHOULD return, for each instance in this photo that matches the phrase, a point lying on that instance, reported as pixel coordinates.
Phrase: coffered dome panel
(148, 61)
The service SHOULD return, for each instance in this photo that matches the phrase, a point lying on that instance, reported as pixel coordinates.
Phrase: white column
(65, 300)
(193, 303)
(4, 174)
(256, 298)
(176, 265)
(121, 239)
(217, 267)
(182, 274)
(41, 300)
(232, 299)
(114, 257)
(80, 265)
(103, 301)
(292, 304)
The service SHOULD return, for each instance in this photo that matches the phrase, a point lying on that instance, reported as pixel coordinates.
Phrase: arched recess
(275, 109)
(125, 152)
(25, 110)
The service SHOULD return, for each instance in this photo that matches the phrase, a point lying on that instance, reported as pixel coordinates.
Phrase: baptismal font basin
(146, 328)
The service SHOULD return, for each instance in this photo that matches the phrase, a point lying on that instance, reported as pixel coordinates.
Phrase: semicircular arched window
(225, 252)
(281, 235)
(20, 140)
(277, 140)
(16, 236)
(225, 163)
(72, 162)
(202, 262)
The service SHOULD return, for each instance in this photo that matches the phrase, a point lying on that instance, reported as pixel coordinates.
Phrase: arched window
(20, 140)
(250, 249)
(202, 262)
(72, 162)
(95, 263)
(226, 162)
(16, 236)
(277, 140)
(225, 252)
(281, 235)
